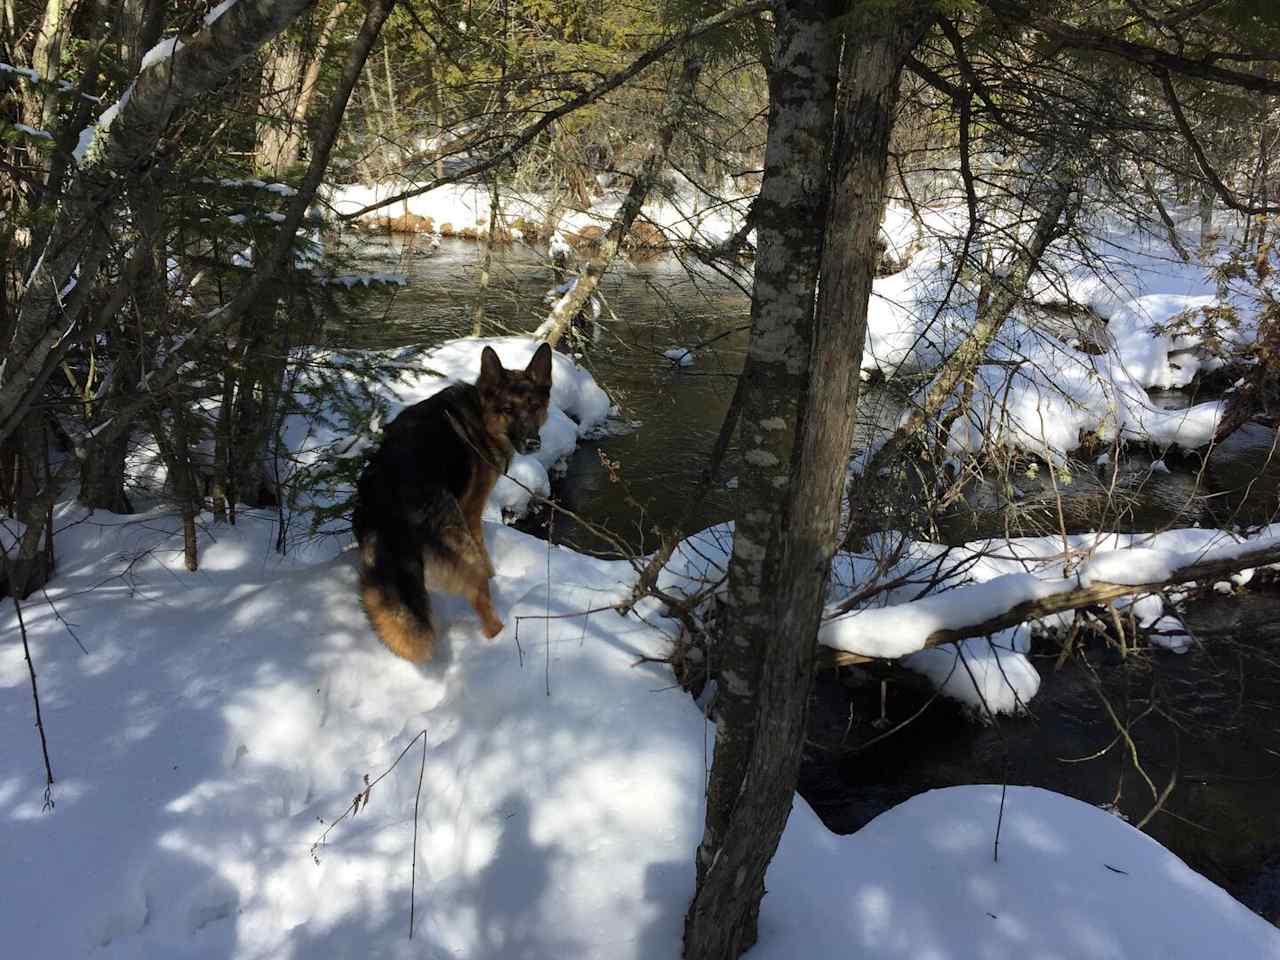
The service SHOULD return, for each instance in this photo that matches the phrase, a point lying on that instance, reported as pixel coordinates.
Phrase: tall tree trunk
(295, 136)
(760, 667)
(281, 85)
(41, 105)
(796, 433)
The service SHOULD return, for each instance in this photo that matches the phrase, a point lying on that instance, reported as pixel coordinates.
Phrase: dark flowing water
(673, 413)
(1211, 717)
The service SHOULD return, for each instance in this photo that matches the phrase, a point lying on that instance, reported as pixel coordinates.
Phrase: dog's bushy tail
(393, 591)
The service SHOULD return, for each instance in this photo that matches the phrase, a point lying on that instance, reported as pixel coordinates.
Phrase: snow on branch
(174, 72)
(981, 609)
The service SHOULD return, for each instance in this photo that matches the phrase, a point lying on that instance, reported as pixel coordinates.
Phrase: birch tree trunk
(796, 433)
(760, 668)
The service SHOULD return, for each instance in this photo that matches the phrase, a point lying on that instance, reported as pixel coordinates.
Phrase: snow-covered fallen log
(963, 616)
(982, 609)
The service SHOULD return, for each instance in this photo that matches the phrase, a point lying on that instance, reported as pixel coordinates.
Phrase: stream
(1209, 720)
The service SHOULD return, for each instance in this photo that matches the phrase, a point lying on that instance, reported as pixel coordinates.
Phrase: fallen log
(981, 609)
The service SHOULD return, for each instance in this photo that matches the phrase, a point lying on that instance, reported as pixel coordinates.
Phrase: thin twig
(413, 866)
(35, 697)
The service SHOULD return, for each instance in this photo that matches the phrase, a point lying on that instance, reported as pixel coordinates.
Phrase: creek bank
(1208, 718)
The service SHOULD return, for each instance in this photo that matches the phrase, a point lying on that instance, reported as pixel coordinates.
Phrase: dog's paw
(493, 627)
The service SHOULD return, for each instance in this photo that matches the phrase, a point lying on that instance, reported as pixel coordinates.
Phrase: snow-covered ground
(207, 729)
(216, 722)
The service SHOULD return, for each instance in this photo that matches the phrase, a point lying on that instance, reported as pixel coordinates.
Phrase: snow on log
(981, 609)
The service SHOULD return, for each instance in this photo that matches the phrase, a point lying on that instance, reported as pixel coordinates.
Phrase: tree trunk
(1206, 213)
(761, 667)
(1170, 228)
(288, 91)
(796, 432)
(41, 108)
(277, 101)
(291, 147)
(78, 242)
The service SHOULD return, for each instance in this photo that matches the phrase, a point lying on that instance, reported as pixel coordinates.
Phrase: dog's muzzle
(531, 444)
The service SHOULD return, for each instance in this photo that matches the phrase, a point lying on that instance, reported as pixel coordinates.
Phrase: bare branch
(527, 136)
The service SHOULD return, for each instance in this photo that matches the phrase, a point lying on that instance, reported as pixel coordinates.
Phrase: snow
(985, 578)
(349, 280)
(683, 212)
(88, 136)
(1072, 883)
(989, 677)
(1134, 566)
(212, 16)
(280, 189)
(1043, 392)
(559, 247)
(164, 50)
(20, 71)
(83, 142)
(220, 720)
(1171, 634)
(33, 132)
(894, 631)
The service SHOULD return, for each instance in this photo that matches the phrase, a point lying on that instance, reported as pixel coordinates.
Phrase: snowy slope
(217, 716)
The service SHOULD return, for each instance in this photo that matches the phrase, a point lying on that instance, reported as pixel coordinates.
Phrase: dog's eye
(508, 411)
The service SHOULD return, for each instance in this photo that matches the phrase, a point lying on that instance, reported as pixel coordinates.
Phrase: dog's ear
(539, 367)
(490, 366)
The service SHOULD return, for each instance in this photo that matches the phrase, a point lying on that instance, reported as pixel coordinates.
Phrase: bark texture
(795, 435)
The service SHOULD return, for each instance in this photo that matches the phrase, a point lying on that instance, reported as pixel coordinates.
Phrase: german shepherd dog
(422, 493)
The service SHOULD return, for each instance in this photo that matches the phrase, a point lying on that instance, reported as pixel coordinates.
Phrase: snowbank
(1072, 882)
(986, 578)
(578, 408)
(219, 720)
(681, 213)
(1045, 391)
